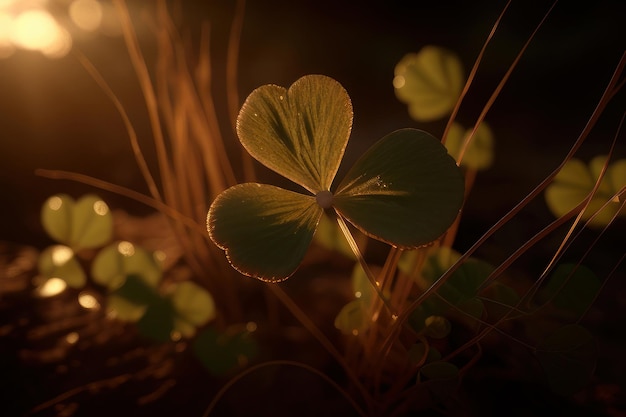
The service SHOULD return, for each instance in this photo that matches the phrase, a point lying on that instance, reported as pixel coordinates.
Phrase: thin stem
(500, 85)
(232, 381)
(357, 253)
(143, 76)
(132, 134)
(472, 74)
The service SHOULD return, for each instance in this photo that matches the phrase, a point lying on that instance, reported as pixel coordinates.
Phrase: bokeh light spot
(126, 248)
(52, 287)
(55, 203)
(100, 207)
(34, 30)
(72, 338)
(86, 14)
(88, 301)
(61, 254)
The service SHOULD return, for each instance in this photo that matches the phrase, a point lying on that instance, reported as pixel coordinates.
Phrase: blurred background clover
(576, 181)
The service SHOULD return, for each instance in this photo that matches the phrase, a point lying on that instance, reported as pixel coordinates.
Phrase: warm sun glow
(86, 14)
(6, 26)
(28, 25)
(33, 29)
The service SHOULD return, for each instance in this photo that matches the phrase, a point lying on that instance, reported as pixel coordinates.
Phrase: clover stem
(361, 259)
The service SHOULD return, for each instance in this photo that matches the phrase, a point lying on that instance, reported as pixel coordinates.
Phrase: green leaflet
(264, 230)
(406, 190)
(354, 317)
(86, 223)
(193, 305)
(300, 133)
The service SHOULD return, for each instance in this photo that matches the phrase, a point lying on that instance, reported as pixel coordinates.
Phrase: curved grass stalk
(143, 76)
(501, 85)
(472, 73)
(132, 134)
(588, 201)
(218, 396)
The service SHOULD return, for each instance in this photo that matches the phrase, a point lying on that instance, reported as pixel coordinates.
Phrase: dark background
(53, 115)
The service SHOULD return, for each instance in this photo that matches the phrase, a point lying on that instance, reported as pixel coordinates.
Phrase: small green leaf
(568, 357)
(361, 284)
(122, 309)
(136, 290)
(264, 230)
(119, 260)
(56, 217)
(429, 307)
(463, 284)
(438, 370)
(437, 327)
(221, 353)
(59, 261)
(137, 301)
(479, 152)
(429, 82)
(300, 133)
(353, 318)
(193, 306)
(132, 299)
(576, 180)
(405, 190)
(87, 223)
(572, 287)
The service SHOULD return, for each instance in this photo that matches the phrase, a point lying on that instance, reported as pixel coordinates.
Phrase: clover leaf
(429, 82)
(83, 224)
(405, 190)
(576, 180)
(117, 261)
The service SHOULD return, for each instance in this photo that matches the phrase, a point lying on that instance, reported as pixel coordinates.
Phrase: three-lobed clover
(406, 190)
